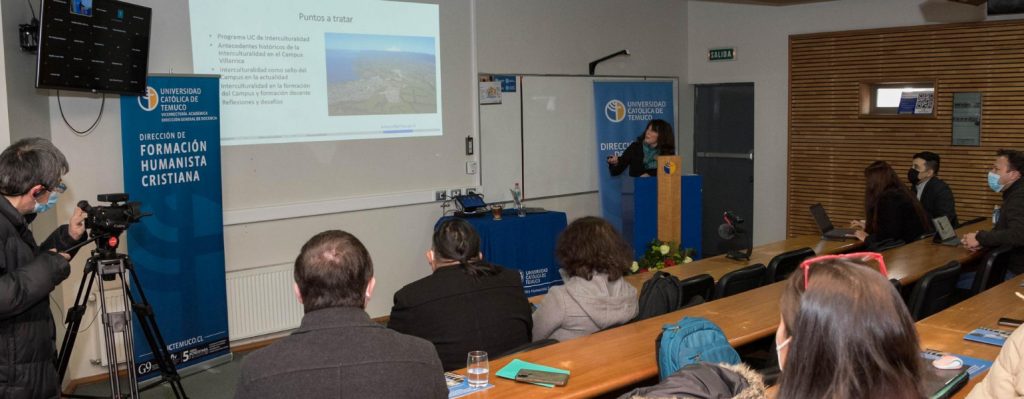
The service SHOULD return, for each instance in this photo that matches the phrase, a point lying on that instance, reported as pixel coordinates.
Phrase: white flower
(635, 267)
(664, 249)
(687, 259)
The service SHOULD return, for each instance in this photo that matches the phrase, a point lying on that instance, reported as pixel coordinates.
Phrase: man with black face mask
(935, 196)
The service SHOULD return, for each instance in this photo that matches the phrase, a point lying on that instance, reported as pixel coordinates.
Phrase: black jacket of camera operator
(27, 334)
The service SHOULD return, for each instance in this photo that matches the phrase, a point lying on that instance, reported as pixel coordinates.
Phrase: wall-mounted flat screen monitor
(93, 45)
(996, 7)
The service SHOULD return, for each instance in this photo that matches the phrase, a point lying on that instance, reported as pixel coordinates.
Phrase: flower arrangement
(660, 254)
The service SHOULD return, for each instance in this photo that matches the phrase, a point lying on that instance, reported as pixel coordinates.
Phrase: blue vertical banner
(171, 147)
(622, 111)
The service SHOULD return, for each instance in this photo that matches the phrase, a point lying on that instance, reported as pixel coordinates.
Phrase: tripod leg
(150, 329)
(110, 323)
(74, 319)
(129, 340)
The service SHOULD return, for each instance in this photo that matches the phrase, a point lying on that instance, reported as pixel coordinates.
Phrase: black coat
(460, 313)
(937, 200)
(1009, 230)
(341, 353)
(896, 219)
(633, 158)
(27, 333)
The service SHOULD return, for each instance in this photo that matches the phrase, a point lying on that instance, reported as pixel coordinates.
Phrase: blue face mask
(993, 182)
(40, 208)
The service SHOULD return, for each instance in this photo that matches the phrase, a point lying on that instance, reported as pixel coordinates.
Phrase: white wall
(534, 36)
(760, 35)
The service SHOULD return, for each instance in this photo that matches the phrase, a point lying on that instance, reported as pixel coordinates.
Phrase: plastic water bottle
(995, 214)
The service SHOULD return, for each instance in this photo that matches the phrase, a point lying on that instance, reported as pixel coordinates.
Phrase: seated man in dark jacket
(935, 196)
(30, 180)
(337, 351)
(467, 304)
(1009, 229)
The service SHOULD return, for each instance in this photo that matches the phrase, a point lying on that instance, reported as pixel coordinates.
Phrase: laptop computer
(825, 224)
(944, 232)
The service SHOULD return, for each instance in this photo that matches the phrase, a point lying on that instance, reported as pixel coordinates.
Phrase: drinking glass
(477, 368)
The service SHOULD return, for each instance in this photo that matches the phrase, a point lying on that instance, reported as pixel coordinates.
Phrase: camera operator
(30, 180)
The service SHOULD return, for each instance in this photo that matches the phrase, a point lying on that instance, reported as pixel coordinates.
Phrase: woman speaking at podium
(641, 157)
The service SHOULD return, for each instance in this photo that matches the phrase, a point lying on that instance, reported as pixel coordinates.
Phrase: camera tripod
(112, 266)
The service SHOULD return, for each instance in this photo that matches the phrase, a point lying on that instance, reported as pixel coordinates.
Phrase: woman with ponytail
(466, 304)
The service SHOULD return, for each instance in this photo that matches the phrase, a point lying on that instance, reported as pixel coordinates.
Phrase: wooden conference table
(945, 331)
(624, 356)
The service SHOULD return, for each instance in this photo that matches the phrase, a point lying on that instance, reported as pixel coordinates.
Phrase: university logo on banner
(149, 101)
(615, 111)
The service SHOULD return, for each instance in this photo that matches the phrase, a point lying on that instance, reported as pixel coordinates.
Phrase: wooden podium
(669, 198)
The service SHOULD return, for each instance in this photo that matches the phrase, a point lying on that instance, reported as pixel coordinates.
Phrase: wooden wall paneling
(831, 142)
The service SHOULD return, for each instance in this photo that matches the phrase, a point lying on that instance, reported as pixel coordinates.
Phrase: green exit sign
(722, 54)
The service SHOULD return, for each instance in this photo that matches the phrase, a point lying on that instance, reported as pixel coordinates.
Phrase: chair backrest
(741, 280)
(992, 271)
(785, 263)
(935, 291)
(702, 286)
(896, 285)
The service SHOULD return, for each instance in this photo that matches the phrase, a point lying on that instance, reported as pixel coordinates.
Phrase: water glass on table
(477, 368)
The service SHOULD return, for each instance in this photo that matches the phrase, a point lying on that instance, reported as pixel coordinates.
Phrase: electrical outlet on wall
(440, 195)
(470, 190)
(455, 192)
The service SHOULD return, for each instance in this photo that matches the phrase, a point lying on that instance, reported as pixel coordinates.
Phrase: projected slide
(320, 70)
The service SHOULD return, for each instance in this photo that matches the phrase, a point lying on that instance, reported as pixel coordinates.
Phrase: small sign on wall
(967, 119)
(722, 54)
(490, 92)
(508, 83)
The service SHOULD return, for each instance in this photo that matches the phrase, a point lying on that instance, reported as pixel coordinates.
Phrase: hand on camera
(76, 226)
(62, 254)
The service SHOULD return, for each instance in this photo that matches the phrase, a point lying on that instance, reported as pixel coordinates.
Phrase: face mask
(40, 208)
(778, 348)
(912, 176)
(993, 182)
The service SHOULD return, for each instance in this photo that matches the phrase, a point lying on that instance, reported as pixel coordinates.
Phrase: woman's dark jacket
(633, 158)
(460, 313)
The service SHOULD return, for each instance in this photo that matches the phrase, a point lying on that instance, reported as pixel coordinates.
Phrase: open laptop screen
(821, 218)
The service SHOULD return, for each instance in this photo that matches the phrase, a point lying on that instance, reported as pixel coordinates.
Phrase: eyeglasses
(59, 188)
(868, 259)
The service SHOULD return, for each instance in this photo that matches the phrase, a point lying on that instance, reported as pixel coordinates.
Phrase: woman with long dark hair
(892, 211)
(845, 333)
(466, 304)
(641, 157)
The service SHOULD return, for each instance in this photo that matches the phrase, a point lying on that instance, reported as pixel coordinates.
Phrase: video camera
(113, 219)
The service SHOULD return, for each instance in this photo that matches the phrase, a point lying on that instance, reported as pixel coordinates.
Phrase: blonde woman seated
(594, 258)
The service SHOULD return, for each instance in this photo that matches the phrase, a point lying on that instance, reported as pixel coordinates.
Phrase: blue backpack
(692, 340)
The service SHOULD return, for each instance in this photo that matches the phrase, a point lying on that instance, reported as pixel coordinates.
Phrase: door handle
(730, 155)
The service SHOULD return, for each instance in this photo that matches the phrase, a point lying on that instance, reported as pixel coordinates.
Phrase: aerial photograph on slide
(380, 74)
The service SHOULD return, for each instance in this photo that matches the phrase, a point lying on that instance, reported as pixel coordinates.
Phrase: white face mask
(778, 348)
